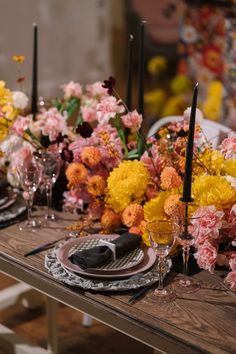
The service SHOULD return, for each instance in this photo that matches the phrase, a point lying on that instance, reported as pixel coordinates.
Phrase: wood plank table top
(200, 322)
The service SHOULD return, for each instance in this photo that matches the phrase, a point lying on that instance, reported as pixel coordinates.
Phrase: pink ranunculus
(51, 123)
(72, 89)
(107, 108)
(96, 89)
(231, 280)
(89, 114)
(132, 120)
(20, 125)
(206, 256)
(206, 222)
(228, 147)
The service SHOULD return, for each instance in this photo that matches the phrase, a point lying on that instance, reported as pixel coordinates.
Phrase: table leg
(52, 325)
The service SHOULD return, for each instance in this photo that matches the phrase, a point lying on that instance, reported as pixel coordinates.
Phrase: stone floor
(73, 337)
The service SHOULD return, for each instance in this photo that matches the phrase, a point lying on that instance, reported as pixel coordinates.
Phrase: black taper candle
(141, 70)
(189, 150)
(129, 73)
(34, 98)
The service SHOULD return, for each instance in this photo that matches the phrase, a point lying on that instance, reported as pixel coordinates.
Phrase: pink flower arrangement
(107, 108)
(72, 89)
(228, 147)
(206, 255)
(132, 120)
(20, 125)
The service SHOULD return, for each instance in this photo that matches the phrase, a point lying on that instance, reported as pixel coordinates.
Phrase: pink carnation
(206, 256)
(108, 108)
(96, 89)
(72, 89)
(132, 120)
(72, 201)
(206, 223)
(231, 280)
(52, 123)
(89, 114)
(20, 125)
(228, 147)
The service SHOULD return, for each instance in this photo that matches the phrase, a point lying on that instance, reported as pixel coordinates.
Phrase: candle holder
(183, 225)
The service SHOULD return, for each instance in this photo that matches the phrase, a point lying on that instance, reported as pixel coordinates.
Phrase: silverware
(138, 294)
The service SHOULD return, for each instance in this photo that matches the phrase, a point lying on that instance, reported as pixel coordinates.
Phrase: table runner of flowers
(120, 177)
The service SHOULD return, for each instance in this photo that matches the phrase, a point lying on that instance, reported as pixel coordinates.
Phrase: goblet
(183, 227)
(51, 169)
(162, 239)
(30, 174)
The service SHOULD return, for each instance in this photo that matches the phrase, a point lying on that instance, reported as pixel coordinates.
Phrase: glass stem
(30, 206)
(49, 197)
(160, 268)
(185, 260)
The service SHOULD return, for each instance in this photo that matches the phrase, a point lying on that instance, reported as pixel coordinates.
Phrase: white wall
(74, 41)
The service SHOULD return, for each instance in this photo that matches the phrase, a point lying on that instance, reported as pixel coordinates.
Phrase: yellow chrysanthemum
(126, 184)
(211, 161)
(154, 208)
(230, 167)
(213, 103)
(175, 105)
(154, 100)
(157, 65)
(180, 84)
(213, 190)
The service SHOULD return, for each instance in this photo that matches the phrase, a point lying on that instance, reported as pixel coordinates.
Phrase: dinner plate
(8, 200)
(147, 261)
(13, 211)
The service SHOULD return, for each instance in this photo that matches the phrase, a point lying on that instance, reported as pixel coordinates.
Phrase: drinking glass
(183, 226)
(162, 239)
(30, 174)
(51, 169)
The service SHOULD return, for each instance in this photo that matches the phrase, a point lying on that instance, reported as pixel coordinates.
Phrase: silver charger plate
(13, 211)
(56, 269)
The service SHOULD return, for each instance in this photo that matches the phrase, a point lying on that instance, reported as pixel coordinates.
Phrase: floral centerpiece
(122, 186)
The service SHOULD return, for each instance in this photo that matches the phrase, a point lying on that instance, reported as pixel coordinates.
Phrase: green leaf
(79, 119)
(73, 104)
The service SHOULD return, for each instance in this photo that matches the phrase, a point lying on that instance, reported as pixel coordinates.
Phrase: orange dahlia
(90, 156)
(76, 174)
(110, 220)
(171, 203)
(96, 185)
(170, 178)
(132, 215)
(139, 229)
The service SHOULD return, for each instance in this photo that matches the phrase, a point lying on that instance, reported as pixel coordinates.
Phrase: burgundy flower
(84, 129)
(109, 84)
(67, 155)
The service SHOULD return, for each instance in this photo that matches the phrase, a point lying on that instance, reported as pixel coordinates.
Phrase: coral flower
(76, 174)
(90, 156)
(139, 229)
(110, 220)
(96, 185)
(171, 204)
(132, 215)
(170, 178)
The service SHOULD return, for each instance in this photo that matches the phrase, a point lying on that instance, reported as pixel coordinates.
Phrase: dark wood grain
(204, 322)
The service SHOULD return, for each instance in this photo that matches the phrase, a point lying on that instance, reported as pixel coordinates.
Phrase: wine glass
(30, 174)
(183, 227)
(51, 169)
(162, 239)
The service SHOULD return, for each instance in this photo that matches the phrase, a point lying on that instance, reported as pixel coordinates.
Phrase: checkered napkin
(99, 255)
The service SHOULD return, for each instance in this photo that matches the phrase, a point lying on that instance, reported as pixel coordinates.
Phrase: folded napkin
(99, 255)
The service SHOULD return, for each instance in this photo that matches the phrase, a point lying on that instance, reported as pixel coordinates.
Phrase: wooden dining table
(198, 322)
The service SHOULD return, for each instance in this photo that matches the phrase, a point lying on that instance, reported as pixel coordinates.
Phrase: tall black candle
(141, 70)
(129, 73)
(34, 102)
(189, 150)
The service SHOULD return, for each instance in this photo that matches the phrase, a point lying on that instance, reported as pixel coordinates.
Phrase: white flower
(199, 115)
(20, 100)
(11, 144)
(231, 180)
(188, 34)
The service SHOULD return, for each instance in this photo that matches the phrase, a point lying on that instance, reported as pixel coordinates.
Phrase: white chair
(214, 132)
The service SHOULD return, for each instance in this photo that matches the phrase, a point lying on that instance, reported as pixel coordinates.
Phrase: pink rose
(20, 125)
(231, 280)
(108, 108)
(72, 89)
(228, 147)
(206, 256)
(132, 120)
(206, 223)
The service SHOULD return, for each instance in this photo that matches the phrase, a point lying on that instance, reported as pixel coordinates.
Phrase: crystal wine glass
(51, 170)
(30, 174)
(162, 239)
(183, 226)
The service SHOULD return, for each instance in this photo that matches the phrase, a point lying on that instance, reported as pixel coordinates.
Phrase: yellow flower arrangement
(154, 208)
(157, 65)
(230, 167)
(212, 106)
(126, 184)
(212, 160)
(180, 84)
